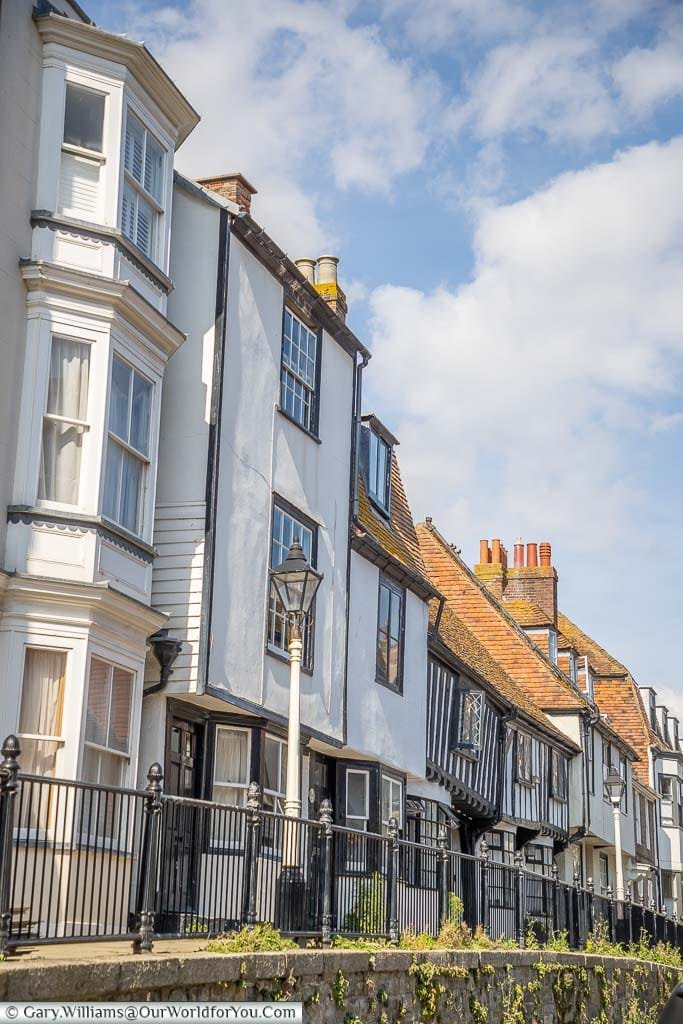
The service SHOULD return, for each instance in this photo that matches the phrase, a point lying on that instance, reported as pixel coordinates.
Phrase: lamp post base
(290, 900)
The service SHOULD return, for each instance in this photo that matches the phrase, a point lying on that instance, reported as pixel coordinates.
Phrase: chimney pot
(496, 554)
(519, 555)
(307, 268)
(545, 552)
(532, 554)
(327, 269)
(483, 552)
(234, 187)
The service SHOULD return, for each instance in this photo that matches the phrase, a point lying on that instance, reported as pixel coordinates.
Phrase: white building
(90, 126)
(257, 430)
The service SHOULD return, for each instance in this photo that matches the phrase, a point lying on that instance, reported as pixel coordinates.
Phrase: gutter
(213, 453)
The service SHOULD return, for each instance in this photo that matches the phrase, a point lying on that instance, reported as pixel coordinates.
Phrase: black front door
(183, 825)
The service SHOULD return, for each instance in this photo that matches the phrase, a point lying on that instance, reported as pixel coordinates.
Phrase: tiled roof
(463, 644)
(488, 619)
(602, 662)
(527, 613)
(395, 534)
(616, 695)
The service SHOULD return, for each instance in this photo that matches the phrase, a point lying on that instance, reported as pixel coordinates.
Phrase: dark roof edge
(369, 547)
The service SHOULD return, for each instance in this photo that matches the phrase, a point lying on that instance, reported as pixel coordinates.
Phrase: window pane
(97, 716)
(128, 209)
(140, 414)
(67, 393)
(356, 794)
(231, 757)
(112, 480)
(83, 117)
(60, 464)
(134, 147)
(119, 398)
(154, 162)
(382, 472)
(131, 482)
(271, 765)
(144, 228)
(42, 693)
(121, 701)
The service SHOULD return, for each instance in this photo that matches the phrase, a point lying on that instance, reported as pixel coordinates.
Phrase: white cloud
(663, 422)
(517, 396)
(648, 77)
(289, 94)
(552, 83)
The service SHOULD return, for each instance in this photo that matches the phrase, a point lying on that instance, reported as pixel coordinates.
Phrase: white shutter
(79, 187)
(144, 226)
(134, 149)
(128, 202)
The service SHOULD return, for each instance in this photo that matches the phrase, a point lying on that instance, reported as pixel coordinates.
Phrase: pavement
(68, 952)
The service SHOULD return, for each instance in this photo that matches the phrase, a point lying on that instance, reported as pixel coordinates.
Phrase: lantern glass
(615, 786)
(295, 581)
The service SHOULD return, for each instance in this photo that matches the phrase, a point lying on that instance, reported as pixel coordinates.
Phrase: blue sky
(502, 182)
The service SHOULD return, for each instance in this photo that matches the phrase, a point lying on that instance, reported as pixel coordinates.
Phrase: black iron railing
(83, 862)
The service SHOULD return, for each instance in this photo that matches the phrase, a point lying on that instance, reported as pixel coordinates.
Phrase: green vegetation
(368, 915)
(598, 942)
(262, 938)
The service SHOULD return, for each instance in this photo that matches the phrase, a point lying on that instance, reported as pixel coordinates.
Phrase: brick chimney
(234, 187)
(328, 287)
(531, 579)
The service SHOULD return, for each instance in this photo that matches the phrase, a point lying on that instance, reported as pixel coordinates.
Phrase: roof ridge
(498, 607)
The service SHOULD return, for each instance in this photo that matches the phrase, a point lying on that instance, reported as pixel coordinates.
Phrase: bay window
(64, 421)
(128, 445)
(141, 202)
(230, 782)
(82, 153)
(357, 817)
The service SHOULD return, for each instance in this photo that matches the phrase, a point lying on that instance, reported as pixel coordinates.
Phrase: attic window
(379, 470)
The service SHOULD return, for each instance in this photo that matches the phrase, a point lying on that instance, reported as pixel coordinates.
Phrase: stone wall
(386, 987)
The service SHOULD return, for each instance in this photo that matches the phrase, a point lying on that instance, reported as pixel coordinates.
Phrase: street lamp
(296, 583)
(615, 786)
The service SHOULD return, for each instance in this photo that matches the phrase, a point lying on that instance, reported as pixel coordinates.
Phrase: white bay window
(141, 202)
(130, 404)
(42, 706)
(64, 421)
(231, 766)
(392, 802)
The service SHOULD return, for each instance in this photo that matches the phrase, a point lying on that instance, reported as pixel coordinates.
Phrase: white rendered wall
(261, 453)
(386, 726)
(20, 95)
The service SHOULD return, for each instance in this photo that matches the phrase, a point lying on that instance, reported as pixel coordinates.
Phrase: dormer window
(379, 470)
(82, 153)
(141, 203)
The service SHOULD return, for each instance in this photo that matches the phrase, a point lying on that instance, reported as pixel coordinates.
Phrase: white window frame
(236, 840)
(94, 157)
(84, 425)
(356, 848)
(278, 795)
(356, 817)
(157, 206)
(291, 376)
(59, 741)
(381, 499)
(114, 439)
(309, 533)
(222, 784)
(393, 784)
(124, 756)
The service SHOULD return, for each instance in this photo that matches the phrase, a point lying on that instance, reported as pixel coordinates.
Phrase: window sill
(379, 507)
(395, 688)
(302, 428)
(467, 752)
(281, 656)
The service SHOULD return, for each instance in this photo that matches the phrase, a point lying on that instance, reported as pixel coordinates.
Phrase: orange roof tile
(488, 619)
(463, 644)
(526, 613)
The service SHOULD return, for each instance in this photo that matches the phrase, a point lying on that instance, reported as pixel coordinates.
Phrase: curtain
(68, 398)
(231, 757)
(42, 700)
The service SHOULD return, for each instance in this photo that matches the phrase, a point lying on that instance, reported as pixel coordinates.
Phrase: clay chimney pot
(532, 554)
(545, 552)
(496, 554)
(483, 552)
(307, 268)
(519, 555)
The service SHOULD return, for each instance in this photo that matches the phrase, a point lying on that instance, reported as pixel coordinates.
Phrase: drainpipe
(356, 402)
(213, 455)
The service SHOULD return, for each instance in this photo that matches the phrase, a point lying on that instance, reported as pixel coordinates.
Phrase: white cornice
(120, 296)
(134, 56)
(92, 598)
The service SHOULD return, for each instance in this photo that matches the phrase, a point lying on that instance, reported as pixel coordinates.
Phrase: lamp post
(615, 786)
(296, 585)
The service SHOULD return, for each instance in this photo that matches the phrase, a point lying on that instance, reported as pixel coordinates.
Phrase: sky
(503, 183)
